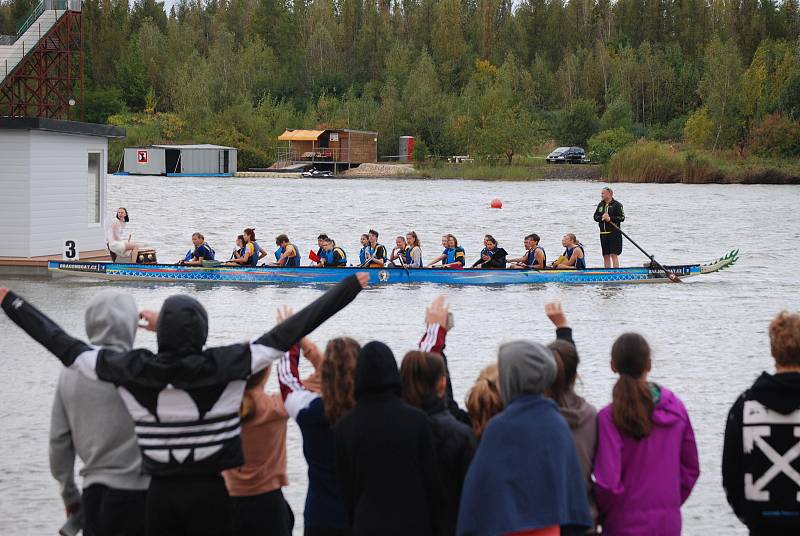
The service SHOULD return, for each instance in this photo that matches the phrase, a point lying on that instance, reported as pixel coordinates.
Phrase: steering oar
(670, 275)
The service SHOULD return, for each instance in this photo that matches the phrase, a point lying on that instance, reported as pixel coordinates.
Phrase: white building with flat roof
(53, 187)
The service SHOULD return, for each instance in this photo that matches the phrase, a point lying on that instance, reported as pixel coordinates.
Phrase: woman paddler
(574, 257)
(492, 256)
(400, 250)
(118, 244)
(453, 255)
(413, 253)
(252, 251)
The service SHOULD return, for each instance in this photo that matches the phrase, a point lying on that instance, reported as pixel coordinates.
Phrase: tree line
(492, 78)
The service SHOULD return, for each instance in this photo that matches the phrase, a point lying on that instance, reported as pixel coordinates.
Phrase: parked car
(568, 155)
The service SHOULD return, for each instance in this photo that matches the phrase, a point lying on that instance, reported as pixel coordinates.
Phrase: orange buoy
(496, 203)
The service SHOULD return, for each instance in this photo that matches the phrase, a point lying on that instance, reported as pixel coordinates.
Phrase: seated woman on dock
(573, 257)
(492, 256)
(118, 245)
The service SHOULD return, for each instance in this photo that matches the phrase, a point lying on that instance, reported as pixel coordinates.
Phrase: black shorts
(611, 243)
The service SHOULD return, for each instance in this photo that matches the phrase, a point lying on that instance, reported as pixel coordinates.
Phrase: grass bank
(531, 170)
(660, 163)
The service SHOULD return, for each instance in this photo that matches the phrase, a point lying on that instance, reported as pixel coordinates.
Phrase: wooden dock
(26, 266)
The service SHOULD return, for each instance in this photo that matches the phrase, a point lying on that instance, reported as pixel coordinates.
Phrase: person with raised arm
(185, 399)
(89, 420)
(425, 380)
(316, 413)
(579, 414)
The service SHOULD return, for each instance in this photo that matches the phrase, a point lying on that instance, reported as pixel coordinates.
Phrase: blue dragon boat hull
(311, 275)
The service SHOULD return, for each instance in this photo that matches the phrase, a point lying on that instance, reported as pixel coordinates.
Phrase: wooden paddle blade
(674, 278)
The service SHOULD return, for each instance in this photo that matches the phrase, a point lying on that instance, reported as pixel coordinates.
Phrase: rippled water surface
(709, 335)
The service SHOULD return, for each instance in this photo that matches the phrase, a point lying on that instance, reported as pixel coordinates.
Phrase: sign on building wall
(334, 136)
(141, 157)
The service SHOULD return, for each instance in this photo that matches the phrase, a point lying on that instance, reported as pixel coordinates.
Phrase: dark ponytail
(567, 360)
(632, 405)
(420, 373)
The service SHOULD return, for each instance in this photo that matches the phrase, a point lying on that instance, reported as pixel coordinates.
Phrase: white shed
(52, 186)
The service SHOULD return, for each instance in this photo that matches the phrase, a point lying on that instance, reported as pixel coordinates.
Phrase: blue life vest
(408, 259)
(205, 251)
(292, 262)
(330, 261)
(532, 256)
(453, 254)
(362, 256)
(253, 261)
(580, 264)
(371, 252)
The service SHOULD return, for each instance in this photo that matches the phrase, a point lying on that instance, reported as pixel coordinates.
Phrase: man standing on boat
(609, 211)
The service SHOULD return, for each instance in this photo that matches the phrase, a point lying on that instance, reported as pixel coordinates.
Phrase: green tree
(720, 90)
(617, 115)
(700, 130)
(577, 123)
(603, 145)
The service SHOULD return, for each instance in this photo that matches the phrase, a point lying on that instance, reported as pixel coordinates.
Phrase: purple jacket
(641, 485)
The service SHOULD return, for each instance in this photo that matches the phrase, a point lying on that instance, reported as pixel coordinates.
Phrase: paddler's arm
(437, 259)
(285, 335)
(72, 352)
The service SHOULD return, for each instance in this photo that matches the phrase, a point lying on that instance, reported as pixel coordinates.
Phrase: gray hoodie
(582, 420)
(89, 418)
(524, 368)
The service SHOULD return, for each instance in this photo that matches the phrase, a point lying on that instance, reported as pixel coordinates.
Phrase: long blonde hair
(484, 400)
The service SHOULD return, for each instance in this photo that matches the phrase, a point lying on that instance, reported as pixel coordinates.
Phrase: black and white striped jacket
(185, 407)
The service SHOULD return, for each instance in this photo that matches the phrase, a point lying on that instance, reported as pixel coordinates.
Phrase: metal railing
(322, 154)
(23, 44)
(37, 12)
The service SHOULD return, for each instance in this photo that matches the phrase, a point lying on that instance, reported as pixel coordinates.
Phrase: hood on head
(525, 368)
(182, 326)
(777, 391)
(112, 319)
(576, 410)
(376, 371)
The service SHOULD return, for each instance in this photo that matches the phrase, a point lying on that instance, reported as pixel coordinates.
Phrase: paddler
(333, 256)
(534, 257)
(321, 240)
(252, 251)
(573, 257)
(453, 255)
(400, 250)
(287, 253)
(413, 258)
(492, 256)
(239, 250)
(376, 252)
(362, 255)
(609, 211)
(202, 251)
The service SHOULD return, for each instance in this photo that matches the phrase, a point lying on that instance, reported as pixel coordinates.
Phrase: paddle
(671, 276)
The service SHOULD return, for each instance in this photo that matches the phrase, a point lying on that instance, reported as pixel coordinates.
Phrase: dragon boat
(167, 273)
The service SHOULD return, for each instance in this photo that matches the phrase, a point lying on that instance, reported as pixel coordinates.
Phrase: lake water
(709, 336)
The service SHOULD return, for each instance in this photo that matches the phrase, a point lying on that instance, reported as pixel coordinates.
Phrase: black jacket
(762, 434)
(385, 458)
(496, 262)
(184, 400)
(455, 445)
(615, 212)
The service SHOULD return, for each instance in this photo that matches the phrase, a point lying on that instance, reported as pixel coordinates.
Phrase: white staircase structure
(12, 55)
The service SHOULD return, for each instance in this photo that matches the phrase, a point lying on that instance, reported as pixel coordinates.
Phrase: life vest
(362, 256)
(580, 264)
(371, 252)
(211, 252)
(408, 259)
(454, 254)
(253, 260)
(331, 261)
(532, 257)
(290, 261)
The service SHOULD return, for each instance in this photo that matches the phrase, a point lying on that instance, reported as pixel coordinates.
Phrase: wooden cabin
(330, 148)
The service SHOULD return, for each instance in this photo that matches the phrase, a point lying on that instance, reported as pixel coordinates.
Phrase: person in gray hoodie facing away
(579, 414)
(89, 419)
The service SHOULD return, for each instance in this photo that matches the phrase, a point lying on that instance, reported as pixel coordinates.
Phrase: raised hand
(148, 320)
(555, 313)
(284, 313)
(3, 292)
(436, 312)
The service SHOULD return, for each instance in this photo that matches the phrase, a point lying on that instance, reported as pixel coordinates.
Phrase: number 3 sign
(70, 252)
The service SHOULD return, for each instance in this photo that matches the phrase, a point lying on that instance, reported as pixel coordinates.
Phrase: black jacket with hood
(761, 456)
(455, 444)
(385, 458)
(184, 400)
